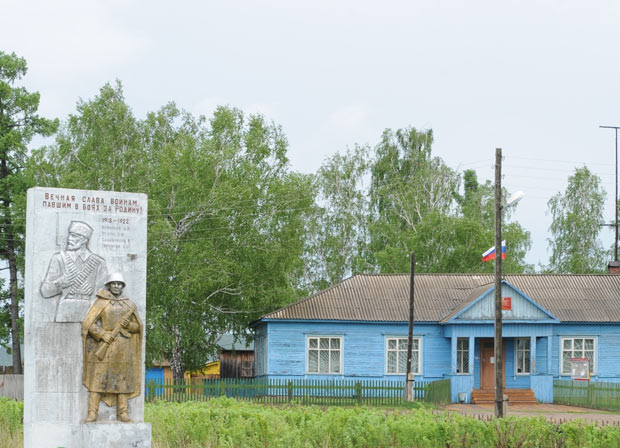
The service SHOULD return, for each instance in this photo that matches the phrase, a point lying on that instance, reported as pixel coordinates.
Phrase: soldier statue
(112, 340)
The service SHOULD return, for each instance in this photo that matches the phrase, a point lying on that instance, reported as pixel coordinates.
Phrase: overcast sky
(535, 78)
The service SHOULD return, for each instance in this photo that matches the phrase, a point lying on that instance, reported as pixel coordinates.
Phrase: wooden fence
(303, 391)
(587, 394)
(12, 386)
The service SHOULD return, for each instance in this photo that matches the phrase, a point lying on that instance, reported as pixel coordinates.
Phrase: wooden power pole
(409, 381)
(499, 365)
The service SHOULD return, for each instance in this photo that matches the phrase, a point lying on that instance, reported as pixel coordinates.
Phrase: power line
(552, 170)
(581, 162)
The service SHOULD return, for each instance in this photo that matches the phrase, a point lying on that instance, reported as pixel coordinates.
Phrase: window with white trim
(396, 356)
(578, 348)
(522, 356)
(324, 354)
(462, 355)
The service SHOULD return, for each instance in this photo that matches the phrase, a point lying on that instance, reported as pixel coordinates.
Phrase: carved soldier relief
(73, 274)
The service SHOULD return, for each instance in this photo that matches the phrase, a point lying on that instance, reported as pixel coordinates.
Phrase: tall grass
(11, 418)
(225, 422)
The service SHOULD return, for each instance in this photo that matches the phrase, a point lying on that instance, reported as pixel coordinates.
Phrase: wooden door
(487, 369)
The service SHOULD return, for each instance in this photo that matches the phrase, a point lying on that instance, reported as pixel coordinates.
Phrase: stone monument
(85, 305)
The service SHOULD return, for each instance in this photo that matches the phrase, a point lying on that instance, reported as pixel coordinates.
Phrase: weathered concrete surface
(55, 400)
(117, 435)
(91, 435)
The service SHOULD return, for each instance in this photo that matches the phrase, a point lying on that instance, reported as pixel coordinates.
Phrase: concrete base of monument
(118, 435)
(52, 435)
(91, 435)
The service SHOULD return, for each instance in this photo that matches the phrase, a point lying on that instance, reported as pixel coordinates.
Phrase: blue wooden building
(358, 329)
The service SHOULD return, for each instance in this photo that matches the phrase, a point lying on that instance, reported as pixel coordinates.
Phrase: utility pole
(615, 224)
(499, 365)
(409, 380)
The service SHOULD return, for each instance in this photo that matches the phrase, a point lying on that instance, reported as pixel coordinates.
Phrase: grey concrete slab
(60, 286)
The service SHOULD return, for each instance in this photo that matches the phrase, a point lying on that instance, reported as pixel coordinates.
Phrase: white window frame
(458, 359)
(406, 338)
(595, 363)
(516, 364)
(340, 349)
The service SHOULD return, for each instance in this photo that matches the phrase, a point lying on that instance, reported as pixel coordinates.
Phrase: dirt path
(554, 412)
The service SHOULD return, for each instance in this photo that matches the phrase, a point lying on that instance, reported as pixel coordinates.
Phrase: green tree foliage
(227, 229)
(99, 147)
(19, 123)
(226, 215)
(475, 229)
(416, 207)
(411, 195)
(338, 230)
(576, 218)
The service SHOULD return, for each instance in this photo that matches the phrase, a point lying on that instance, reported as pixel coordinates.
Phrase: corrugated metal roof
(227, 342)
(385, 297)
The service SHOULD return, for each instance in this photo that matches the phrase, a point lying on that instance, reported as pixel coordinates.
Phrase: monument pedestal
(92, 435)
(118, 435)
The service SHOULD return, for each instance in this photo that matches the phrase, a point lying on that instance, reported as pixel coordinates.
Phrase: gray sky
(535, 78)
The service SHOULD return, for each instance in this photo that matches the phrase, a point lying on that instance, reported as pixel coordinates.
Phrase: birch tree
(411, 197)
(338, 230)
(576, 215)
(416, 206)
(227, 229)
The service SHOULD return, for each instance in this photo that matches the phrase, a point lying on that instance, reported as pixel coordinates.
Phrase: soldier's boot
(93, 407)
(121, 408)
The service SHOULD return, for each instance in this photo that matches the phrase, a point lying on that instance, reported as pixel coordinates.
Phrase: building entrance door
(487, 364)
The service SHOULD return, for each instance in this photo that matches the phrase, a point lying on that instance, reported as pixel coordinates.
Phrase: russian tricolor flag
(490, 254)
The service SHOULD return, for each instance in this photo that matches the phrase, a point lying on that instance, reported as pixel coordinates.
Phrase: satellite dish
(514, 198)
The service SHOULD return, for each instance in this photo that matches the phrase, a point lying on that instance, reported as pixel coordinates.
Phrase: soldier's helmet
(116, 277)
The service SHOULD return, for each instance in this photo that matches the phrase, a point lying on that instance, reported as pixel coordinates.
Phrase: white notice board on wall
(580, 369)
